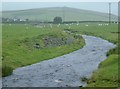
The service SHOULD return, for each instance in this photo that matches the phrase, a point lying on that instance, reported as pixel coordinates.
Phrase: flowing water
(64, 71)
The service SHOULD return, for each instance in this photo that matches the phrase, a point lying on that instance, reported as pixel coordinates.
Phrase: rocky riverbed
(64, 71)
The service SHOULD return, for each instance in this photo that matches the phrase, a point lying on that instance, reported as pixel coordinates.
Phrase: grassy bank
(26, 44)
(107, 74)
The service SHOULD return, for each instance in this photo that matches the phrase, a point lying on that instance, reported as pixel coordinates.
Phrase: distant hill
(68, 14)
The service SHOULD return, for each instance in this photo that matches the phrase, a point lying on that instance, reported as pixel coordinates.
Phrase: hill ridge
(48, 13)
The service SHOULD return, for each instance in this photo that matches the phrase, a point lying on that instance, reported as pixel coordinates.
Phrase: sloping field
(68, 14)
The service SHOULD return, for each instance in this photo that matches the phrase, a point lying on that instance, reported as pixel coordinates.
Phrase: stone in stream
(15, 79)
(56, 70)
(93, 50)
(59, 80)
(68, 65)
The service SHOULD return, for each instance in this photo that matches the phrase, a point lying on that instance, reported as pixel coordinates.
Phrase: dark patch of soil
(50, 41)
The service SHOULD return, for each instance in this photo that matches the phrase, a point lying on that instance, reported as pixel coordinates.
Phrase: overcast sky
(95, 6)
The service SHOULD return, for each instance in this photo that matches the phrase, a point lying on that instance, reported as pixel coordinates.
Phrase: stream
(64, 71)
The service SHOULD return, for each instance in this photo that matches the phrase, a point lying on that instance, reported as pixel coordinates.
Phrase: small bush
(113, 51)
(6, 70)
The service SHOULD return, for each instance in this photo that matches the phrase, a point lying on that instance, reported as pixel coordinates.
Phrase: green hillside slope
(68, 14)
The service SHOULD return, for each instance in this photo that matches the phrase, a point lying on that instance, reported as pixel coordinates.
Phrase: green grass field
(18, 50)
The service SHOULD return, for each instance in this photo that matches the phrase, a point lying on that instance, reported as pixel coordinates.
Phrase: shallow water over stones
(64, 71)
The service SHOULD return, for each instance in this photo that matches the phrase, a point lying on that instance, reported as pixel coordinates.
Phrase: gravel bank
(64, 71)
